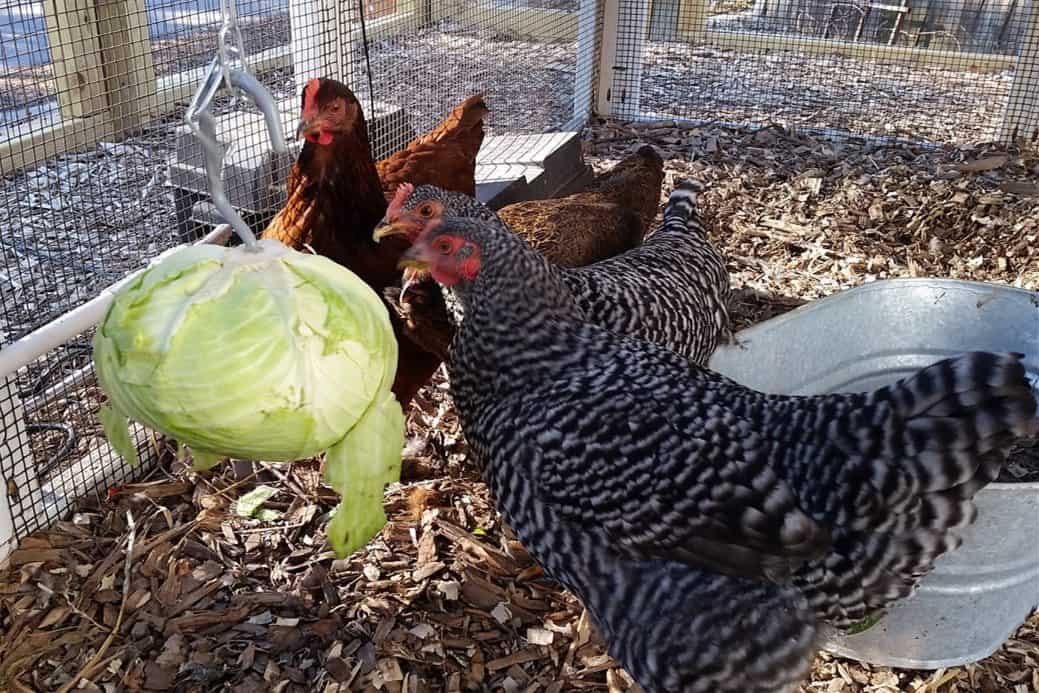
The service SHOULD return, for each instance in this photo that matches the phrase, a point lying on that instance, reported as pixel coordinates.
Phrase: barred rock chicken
(707, 527)
(337, 194)
(672, 290)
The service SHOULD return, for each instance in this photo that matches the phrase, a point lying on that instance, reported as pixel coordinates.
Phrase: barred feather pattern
(672, 290)
(907, 463)
(625, 470)
(672, 626)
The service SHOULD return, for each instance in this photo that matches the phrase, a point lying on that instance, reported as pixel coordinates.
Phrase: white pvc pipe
(32, 346)
(305, 28)
(12, 427)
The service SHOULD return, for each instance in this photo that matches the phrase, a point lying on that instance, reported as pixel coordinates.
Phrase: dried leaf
(250, 503)
(988, 163)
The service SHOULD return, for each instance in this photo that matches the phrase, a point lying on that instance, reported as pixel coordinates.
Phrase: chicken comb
(310, 96)
(404, 191)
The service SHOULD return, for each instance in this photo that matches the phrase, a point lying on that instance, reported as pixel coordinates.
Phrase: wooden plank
(763, 43)
(70, 135)
(390, 26)
(1021, 118)
(692, 19)
(128, 66)
(75, 46)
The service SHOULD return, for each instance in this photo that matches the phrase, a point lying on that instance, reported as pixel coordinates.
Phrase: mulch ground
(173, 584)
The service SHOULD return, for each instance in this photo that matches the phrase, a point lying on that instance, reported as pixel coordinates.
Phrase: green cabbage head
(266, 354)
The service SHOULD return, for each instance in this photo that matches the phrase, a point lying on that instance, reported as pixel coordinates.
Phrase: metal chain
(231, 53)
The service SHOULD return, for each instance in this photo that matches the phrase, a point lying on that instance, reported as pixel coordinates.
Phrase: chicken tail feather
(946, 418)
(917, 453)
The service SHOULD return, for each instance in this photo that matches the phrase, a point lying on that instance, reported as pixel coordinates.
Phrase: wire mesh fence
(938, 70)
(100, 174)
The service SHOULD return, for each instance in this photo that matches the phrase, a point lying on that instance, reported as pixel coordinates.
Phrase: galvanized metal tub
(869, 337)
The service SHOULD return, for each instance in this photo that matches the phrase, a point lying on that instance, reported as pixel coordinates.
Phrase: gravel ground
(870, 98)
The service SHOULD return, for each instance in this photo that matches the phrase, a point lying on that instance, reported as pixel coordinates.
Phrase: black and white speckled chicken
(672, 290)
(708, 528)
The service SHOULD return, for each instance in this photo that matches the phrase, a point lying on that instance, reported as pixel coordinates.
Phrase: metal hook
(229, 67)
(204, 127)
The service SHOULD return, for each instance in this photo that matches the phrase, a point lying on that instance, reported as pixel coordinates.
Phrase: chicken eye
(425, 211)
(443, 246)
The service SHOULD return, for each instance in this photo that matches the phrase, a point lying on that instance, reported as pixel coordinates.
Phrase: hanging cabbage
(262, 353)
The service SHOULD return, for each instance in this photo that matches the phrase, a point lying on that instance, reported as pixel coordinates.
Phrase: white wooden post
(625, 23)
(607, 58)
(316, 41)
(1021, 118)
(584, 73)
(127, 53)
(8, 543)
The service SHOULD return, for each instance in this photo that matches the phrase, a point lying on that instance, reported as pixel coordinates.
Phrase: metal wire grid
(1021, 121)
(521, 55)
(94, 159)
(938, 70)
(52, 448)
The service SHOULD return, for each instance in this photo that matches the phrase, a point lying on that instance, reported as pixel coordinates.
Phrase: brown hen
(337, 194)
(448, 152)
(607, 218)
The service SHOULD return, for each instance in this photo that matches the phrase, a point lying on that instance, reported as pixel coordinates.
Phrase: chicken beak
(416, 265)
(306, 127)
(396, 228)
(416, 259)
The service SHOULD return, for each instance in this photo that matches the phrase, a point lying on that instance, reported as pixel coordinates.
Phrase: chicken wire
(98, 175)
(932, 70)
